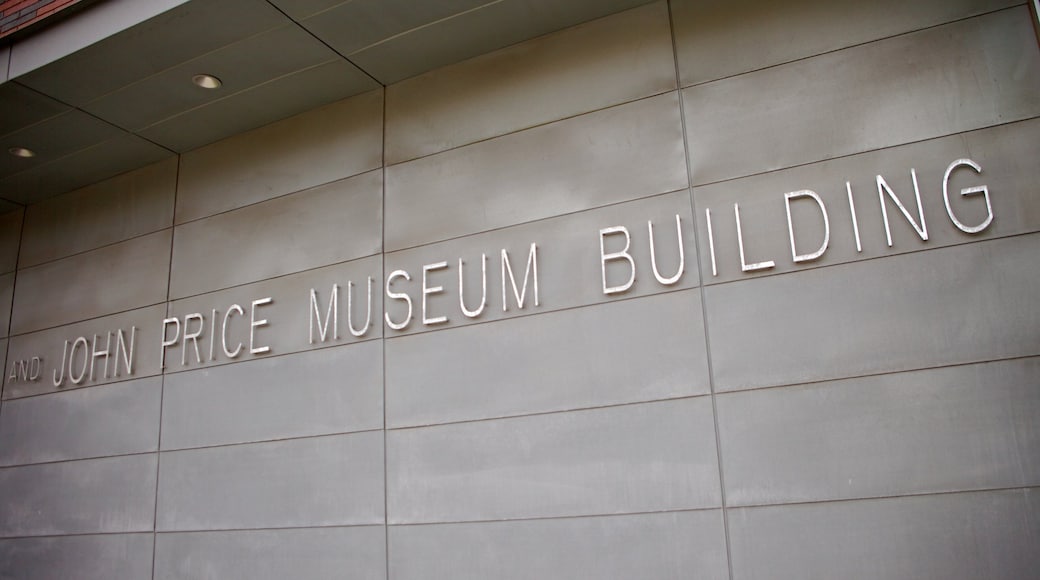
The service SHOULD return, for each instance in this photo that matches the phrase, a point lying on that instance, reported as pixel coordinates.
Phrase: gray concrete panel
(579, 358)
(591, 66)
(3, 356)
(112, 279)
(317, 481)
(632, 458)
(662, 545)
(617, 154)
(106, 420)
(6, 297)
(961, 536)
(313, 148)
(716, 39)
(332, 390)
(292, 324)
(1004, 153)
(961, 304)
(129, 205)
(332, 223)
(115, 494)
(102, 557)
(55, 346)
(569, 265)
(475, 32)
(314, 554)
(5, 62)
(949, 429)
(10, 234)
(957, 77)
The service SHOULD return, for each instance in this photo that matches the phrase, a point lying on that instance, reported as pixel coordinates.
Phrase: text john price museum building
(520, 289)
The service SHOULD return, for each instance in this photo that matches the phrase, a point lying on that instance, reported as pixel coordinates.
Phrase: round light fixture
(206, 81)
(21, 152)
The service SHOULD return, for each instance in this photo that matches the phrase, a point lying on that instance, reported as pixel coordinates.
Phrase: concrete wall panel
(101, 557)
(951, 305)
(332, 390)
(129, 205)
(961, 76)
(10, 238)
(313, 148)
(631, 458)
(315, 554)
(595, 65)
(106, 420)
(112, 279)
(666, 545)
(617, 154)
(115, 494)
(936, 430)
(6, 298)
(961, 536)
(318, 481)
(579, 358)
(332, 223)
(717, 39)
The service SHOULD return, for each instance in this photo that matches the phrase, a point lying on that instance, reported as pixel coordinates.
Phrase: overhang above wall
(110, 89)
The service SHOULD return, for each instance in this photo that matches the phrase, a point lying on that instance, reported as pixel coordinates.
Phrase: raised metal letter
(398, 296)
(852, 210)
(253, 323)
(95, 354)
(532, 267)
(72, 355)
(711, 242)
(653, 253)
(790, 226)
(967, 191)
(165, 343)
(350, 309)
(212, 332)
(483, 295)
(427, 290)
(622, 255)
(883, 188)
(59, 379)
(128, 354)
(223, 332)
(744, 266)
(332, 312)
(193, 336)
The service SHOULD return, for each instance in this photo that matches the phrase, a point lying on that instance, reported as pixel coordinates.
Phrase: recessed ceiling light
(206, 81)
(21, 152)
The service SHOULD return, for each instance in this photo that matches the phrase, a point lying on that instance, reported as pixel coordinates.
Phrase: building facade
(690, 290)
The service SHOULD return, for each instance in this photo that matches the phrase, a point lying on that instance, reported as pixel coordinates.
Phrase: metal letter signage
(109, 354)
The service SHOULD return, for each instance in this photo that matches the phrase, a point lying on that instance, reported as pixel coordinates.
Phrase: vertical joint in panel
(704, 307)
